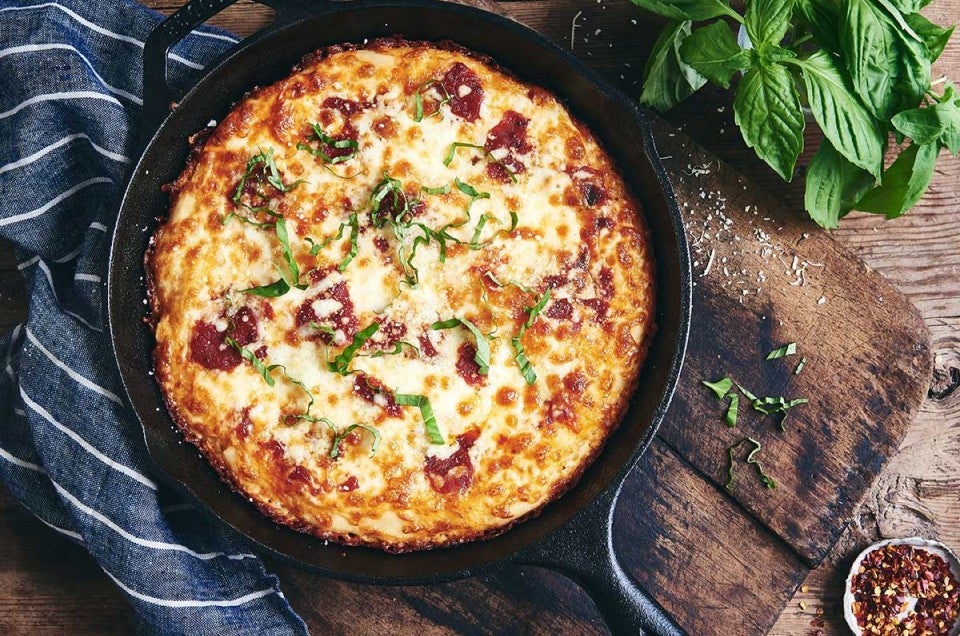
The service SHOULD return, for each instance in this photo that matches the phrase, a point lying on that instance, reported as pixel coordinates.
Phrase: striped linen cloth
(70, 87)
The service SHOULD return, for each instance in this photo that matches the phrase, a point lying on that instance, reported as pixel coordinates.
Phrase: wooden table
(49, 585)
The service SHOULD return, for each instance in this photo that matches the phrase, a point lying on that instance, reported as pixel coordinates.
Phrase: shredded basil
(509, 283)
(779, 404)
(800, 365)
(440, 190)
(426, 412)
(720, 388)
(327, 140)
(526, 369)
(418, 99)
(273, 290)
(271, 171)
(397, 350)
(250, 356)
(282, 286)
(781, 352)
(732, 410)
(266, 372)
(482, 357)
(488, 155)
(341, 363)
(765, 479)
(324, 328)
(245, 219)
(339, 436)
(353, 222)
(448, 159)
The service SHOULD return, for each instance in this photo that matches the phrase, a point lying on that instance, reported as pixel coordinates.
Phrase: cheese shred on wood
(401, 298)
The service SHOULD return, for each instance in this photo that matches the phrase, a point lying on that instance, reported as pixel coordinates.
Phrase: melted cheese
(580, 235)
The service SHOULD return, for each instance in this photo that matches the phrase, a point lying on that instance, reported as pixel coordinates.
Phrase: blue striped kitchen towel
(70, 98)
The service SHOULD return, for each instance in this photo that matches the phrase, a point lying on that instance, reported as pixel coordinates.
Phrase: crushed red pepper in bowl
(905, 587)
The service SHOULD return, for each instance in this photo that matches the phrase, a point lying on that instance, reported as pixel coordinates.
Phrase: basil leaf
(324, 328)
(750, 396)
(441, 190)
(284, 238)
(922, 125)
(800, 365)
(844, 121)
(426, 412)
(904, 182)
(767, 110)
(397, 349)
(781, 352)
(273, 290)
(765, 479)
(834, 185)
(731, 416)
(341, 363)
(251, 357)
(934, 37)
(448, 159)
(714, 53)
(696, 10)
(482, 357)
(339, 437)
(889, 71)
(327, 140)
(822, 18)
(667, 79)
(526, 369)
(418, 99)
(720, 388)
(354, 233)
(767, 21)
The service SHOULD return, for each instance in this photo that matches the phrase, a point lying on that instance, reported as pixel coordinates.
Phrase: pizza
(401, 298)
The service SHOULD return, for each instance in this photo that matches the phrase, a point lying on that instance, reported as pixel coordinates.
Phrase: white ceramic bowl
(934, 547)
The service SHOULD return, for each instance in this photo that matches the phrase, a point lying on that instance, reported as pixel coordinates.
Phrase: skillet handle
(157, 92)
(582, 549)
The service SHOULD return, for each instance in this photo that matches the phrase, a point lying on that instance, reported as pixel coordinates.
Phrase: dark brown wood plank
(49, 585)
(867, 349)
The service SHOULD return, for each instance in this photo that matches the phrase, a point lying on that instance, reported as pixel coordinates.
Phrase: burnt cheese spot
(509, 135)
(466, 93)
(589, 182)
(455, 473)
(506, 396)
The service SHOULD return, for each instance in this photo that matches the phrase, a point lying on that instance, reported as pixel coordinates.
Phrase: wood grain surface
(51, 586)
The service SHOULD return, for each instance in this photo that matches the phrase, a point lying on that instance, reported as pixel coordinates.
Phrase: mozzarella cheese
(357, 151)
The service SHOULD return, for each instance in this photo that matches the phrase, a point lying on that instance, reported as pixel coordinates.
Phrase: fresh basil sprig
(862, 67)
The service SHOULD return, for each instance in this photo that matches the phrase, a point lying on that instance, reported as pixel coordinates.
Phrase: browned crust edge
(197, 143)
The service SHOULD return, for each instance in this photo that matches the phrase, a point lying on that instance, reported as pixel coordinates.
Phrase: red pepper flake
(886, 584)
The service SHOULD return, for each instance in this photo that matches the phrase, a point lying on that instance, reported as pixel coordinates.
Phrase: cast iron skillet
(574, 533)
